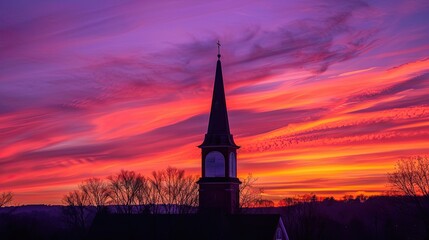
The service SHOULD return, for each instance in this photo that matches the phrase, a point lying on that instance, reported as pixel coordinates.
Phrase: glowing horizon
(323, 98)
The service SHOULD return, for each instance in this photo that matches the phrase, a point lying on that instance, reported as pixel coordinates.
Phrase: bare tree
(125, 191)
(76, 211)
(305, 217)
(91, 192)
(288, 201)
(348, 198)
(5, 198)
(308, 198)
(177, 192)
(361, 198)
(264, 203)
(411, 178)
(147, 198)
(249, 194)
(96, 190)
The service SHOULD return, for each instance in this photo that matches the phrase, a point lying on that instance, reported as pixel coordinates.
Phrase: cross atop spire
(218, 49)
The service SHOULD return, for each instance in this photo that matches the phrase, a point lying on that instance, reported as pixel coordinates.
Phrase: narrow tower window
(232, 165)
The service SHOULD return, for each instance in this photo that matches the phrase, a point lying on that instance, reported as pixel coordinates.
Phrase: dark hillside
(377, 218)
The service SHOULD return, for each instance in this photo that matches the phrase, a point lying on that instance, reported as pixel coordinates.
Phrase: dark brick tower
(219, 185)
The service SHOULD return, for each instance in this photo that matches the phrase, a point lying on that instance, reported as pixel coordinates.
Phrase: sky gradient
(322, 97)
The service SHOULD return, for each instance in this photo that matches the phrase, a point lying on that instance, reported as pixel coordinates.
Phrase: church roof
(193, 226)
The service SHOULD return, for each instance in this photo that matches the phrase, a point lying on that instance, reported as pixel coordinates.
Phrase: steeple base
(219, 195)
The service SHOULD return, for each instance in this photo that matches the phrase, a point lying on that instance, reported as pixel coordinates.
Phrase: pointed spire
(218, 123)
(218, 130)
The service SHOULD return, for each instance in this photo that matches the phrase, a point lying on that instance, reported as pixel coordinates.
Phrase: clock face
(232, 165)
(215, 164)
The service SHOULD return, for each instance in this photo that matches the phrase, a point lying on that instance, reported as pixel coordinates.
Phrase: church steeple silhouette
(219, 185)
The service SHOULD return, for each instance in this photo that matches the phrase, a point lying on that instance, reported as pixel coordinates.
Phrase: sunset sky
(323, 96)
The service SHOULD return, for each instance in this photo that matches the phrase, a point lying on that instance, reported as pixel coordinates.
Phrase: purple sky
(317, 90)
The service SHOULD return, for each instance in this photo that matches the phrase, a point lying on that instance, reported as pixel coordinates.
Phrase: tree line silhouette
(168, 191)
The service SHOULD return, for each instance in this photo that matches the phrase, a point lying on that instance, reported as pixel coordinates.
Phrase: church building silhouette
(218, 216)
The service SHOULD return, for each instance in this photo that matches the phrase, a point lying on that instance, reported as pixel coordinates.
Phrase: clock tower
(219, 185)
